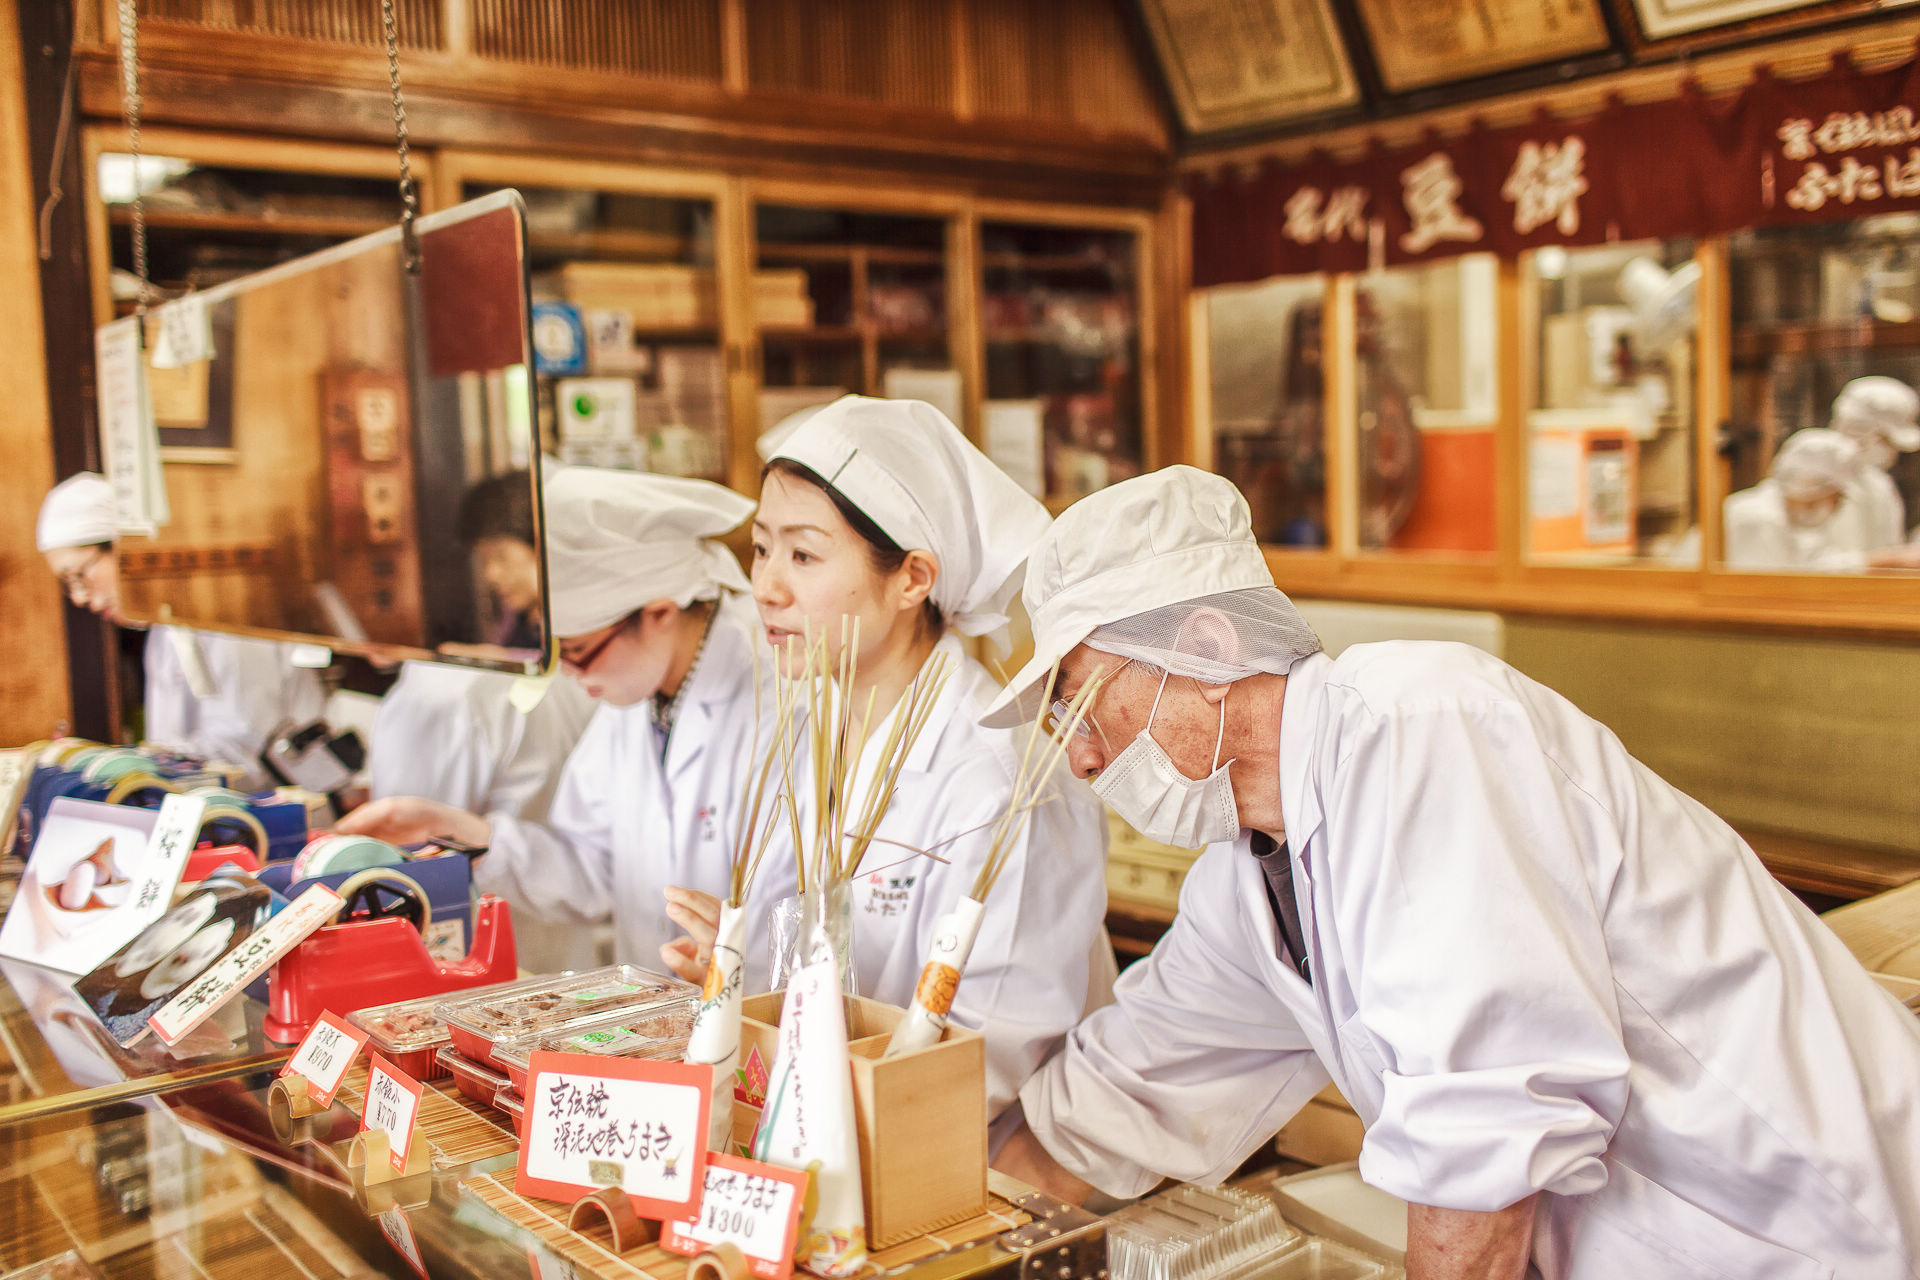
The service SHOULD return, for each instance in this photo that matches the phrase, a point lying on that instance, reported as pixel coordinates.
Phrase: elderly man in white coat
(214, 695)
(654, 621)
(1882, 416)
(1585, 1029)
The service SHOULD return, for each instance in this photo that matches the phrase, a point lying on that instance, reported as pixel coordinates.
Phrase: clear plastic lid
(409, 1025)
(659, 1033)
(460, 1065)
(511, 1103)
(546, 1003)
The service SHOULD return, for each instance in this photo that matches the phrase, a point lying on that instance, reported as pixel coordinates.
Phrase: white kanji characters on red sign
(1312, 218)
(1546, 184)
(1430, 190)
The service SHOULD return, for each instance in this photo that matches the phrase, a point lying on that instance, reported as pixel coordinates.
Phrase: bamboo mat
(592, 1252)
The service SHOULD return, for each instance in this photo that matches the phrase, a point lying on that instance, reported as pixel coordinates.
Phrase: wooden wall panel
(1063, 60)
(33, 676)
(670, 39)
(897, 52)
(417, 22)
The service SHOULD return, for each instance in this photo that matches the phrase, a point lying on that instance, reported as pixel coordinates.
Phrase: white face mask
(1143, 786)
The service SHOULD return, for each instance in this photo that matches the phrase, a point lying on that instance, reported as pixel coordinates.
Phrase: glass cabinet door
(1610, 428)
(1815, 310)
(851, 302)
(1267, 389)
(628, 359)
(1426, 404)
(1060, 317)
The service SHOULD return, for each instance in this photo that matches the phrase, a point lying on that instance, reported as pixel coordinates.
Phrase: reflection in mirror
(1425, 340)
(1823, 476)
(1610, 440)
(1268, 393)
(372, 483)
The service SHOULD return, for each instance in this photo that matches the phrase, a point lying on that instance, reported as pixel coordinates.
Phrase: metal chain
(130, 108)
(409, 193)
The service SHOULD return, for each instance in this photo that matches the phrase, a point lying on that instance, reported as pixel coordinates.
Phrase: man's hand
(699, 914)
(1021, 1156)
(411, 820)
(1458, 1244)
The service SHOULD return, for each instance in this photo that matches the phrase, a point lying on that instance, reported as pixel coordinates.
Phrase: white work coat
(1759, 535)
(1874, 505)
(450, 734)
(248, 688)
(1042, 957)
(1536, 967)
(624, 823)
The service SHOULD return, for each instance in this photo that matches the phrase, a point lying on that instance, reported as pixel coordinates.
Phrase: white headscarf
(618, 540)
(77, 512)
(909, 469)
(1879, 408)
(1815, 462)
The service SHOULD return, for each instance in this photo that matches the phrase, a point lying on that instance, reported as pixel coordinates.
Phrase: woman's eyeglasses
(582, 662)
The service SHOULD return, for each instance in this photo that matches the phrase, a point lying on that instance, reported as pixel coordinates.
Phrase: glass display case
(1425, 407)
(1610, 424)
(1060, 320)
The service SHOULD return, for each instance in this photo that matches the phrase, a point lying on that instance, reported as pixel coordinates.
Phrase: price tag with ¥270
(754, 1205)
(324, 1056)
(393, 1100)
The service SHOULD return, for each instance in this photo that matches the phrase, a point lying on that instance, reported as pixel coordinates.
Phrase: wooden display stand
(922, 1117)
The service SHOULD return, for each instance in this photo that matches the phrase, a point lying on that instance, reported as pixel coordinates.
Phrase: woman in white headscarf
(213, 695)
(1797, 518)
(654, 621)
(882, 511)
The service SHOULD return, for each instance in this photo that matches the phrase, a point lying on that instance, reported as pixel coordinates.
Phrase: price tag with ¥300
(324, 1056)
(754, 1205)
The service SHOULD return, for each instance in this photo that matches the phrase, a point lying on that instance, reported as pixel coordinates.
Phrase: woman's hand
(699, 914)
(411, 820)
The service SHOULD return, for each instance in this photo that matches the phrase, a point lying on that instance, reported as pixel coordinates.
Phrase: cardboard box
(922, 1118)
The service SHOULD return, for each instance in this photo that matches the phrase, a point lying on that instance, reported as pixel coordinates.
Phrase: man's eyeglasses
(582, 662)
(1058, 713)
(72, 580)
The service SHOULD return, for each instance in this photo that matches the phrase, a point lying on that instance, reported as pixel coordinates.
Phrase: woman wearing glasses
(217, 696)
(880, 510)
(654, 622)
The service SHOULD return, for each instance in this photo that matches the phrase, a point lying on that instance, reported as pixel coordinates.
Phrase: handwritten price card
(399, 1233)
(227, 975)
(594, 1122)
(756, 1206)
(324, 1056)
(393, 1100)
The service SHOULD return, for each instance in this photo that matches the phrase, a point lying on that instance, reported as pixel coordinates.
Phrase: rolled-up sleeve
(562, 868)
(1195, 1064)
(1471, 926)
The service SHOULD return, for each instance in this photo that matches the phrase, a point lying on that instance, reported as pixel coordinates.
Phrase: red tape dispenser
(375, 955)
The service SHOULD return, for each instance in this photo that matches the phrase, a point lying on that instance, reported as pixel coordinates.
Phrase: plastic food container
(474, 1081)
(408, 1034)
(1318, 1259)
(658, 1033)
(478, 1021)
(516, 1108)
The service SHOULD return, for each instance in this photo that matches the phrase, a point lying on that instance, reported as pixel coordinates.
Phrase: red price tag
(756, 1206)
(324, 1056)
(594, 1121)
(393, 1100)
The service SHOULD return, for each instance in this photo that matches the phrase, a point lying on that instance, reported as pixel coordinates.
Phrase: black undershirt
(1276, 862)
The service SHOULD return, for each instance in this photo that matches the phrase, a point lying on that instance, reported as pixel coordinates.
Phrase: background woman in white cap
(214, 695)
(654, 621)
(1803, 517)
(882, 511)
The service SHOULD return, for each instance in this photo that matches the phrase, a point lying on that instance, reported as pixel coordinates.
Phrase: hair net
(618, 540)
(1150, 569)
(77, 512)
(1815, 462)
(926, 487)
(1876, 406)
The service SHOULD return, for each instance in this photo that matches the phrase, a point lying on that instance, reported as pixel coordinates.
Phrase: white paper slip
(185, 333)
(393, 1100)
(324, 1056)
(244, 963)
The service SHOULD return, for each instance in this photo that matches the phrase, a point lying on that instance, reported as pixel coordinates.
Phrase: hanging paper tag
(616, 1122)
(399, 1233)
(324, 1056)
(185, 333)
(127, 431)
(756, 1206)
(244, 963)
(393, 1100)
(311, 657)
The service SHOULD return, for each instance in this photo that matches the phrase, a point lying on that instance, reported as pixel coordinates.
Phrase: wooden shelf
(339, 226)
(1050, 262)
(851, 333)
(776, 252)
(651, 246)
(1753, 342)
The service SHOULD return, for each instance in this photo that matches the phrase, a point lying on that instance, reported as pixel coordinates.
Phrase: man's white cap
(1815, 462)
(619, 540)
(1165, 538)
(1877, 406)
(904, 465)
(77, 512)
